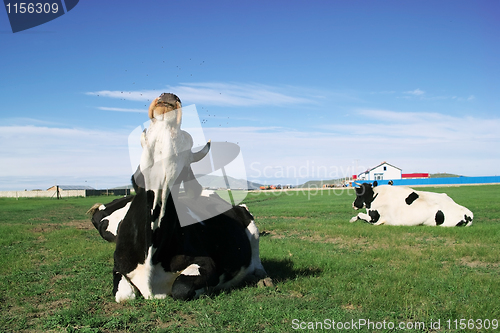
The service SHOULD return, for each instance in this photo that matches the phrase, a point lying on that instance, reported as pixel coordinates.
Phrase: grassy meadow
(55, 271)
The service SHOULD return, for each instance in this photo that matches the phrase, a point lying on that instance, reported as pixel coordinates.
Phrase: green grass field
(55, 271)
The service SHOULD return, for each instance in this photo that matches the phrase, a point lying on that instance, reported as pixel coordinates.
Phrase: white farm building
(381, 172)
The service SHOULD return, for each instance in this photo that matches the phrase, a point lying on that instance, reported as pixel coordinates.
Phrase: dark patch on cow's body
(222, 238)
(465, 221)
(375, 216)
(219, 245)
(107, 235)
(412, 197)
(439, 218)
(116, 280)
(135, 236)
(185, 286)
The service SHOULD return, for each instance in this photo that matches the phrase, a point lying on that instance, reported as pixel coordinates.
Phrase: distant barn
(64, 191)
(70, 187)
(382, 171)
(88, 190)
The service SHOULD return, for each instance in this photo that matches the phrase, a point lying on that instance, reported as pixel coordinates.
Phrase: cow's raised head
(364, 195)
(166, 148)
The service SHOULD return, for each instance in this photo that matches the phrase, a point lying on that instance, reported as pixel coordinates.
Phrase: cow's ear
(375, 184)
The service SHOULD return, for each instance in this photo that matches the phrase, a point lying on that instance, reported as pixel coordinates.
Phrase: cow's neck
(162, 204)
(159, 207)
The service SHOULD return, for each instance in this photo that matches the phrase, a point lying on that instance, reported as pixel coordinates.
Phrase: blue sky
(309, 90)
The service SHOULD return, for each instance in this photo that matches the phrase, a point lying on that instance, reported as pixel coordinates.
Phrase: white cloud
(416, 92)
(415, 142)
(224, 94)
(422, 95)
(122, 109)
(220, 94)
(141, 95)
(54, 153)
(423, 126)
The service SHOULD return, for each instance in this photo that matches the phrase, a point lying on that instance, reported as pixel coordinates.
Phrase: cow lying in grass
(395, 205)
(170, 244)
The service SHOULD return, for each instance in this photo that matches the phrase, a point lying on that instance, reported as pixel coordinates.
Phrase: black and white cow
(398, 205)
(157, 256)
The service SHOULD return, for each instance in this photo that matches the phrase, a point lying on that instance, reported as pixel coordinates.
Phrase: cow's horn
(357, 183)
(202, 153)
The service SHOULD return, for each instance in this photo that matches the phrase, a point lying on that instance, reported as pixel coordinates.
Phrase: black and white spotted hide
(184, 262)
(398, 205)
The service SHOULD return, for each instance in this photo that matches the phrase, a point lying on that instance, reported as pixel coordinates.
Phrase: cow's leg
(122, 289)
(195, 279)
(141, 276)
(361, 216)
(162, 281)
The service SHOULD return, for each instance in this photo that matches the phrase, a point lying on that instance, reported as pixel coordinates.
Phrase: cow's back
(400, 205)
(447, 212)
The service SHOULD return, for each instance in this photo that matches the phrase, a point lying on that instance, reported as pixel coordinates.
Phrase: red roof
(415, 175)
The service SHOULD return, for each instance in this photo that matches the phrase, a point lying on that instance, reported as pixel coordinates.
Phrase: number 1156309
(472, 324)
(30, 8)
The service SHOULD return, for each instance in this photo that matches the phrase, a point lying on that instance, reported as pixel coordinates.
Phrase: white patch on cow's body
(151, 281)
(255, 267)
(192, 270)
(140, 277)
(125, 291)
(360, 216)
(102, 207)
(115, 218)
(253, 235)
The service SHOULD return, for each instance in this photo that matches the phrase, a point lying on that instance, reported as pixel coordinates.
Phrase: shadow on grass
(283, 270)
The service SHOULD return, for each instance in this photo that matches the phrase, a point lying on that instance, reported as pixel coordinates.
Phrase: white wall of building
(381, 172)
(384, 171)
(42, 194)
